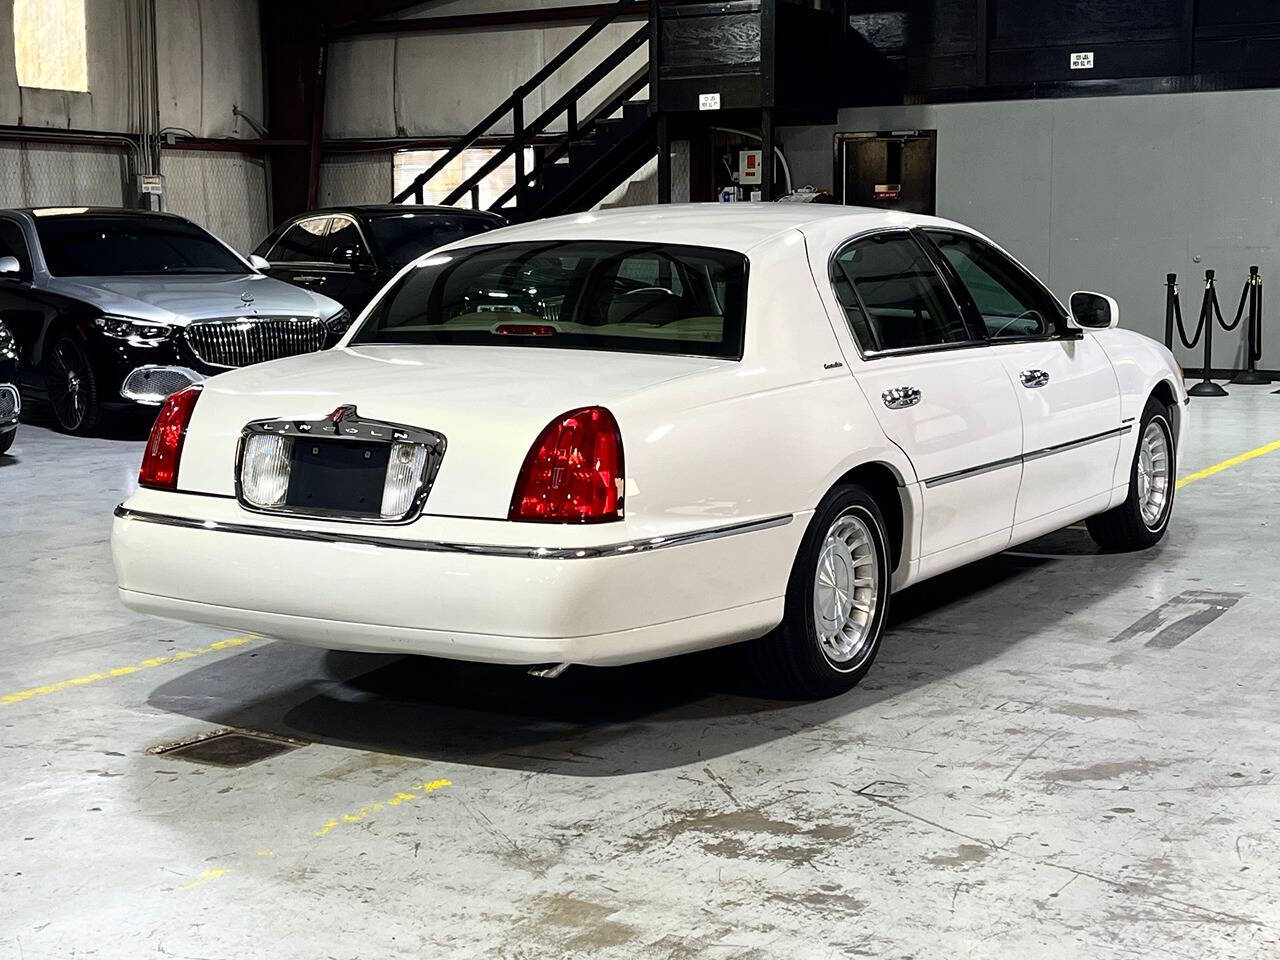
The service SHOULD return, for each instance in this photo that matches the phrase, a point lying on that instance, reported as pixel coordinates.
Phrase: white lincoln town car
(617, 436)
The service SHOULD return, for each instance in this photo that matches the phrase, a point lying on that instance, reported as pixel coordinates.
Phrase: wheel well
(1165, 394)
(880, 480)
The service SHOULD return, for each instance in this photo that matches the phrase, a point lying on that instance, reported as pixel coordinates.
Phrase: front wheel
(73, 388)
(1143, 518)
(6, 441)
(837, 601)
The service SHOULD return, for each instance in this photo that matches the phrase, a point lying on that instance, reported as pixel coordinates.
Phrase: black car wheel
(73, 389)
(6, 441)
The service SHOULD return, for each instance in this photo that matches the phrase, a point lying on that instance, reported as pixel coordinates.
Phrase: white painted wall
(1106, 193)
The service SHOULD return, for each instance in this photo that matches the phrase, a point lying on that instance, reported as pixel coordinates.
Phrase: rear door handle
(899, 398)
(308, 278)
(1034, 378)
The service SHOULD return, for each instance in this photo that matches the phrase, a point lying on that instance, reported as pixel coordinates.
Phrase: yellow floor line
(430, 786)
(1228, 464)
(181, 655)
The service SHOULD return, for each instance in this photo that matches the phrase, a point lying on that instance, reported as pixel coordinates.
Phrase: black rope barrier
(1250, 307)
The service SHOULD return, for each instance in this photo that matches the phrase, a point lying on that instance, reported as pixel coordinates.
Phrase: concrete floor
(1024, 774)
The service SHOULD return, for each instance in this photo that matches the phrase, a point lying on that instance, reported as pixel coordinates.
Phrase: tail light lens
(164, 446)
(573, 473)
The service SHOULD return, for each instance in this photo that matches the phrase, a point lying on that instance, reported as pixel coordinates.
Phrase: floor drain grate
(229, 748)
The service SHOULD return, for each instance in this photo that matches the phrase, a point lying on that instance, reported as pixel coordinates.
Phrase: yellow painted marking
(416, 792)
(1228, 464)
(181, 655)
(204, 878)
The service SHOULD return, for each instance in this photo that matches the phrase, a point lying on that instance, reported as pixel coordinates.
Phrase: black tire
(1125, 527)
(73, 388)
(6, 441)
(792, 661)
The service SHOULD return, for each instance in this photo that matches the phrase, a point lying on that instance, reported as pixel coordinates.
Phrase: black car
(349, 253)
(10, 400)
(116, 308)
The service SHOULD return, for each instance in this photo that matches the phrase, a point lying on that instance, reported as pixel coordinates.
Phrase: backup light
(404, 479)
(573, 473)
(264, 472)
(161, 459)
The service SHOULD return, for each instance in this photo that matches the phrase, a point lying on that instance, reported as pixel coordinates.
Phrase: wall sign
(708, 101)
(1082, 61)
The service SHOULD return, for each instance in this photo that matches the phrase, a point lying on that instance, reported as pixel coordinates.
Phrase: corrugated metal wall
(37, 174)
(226, 193)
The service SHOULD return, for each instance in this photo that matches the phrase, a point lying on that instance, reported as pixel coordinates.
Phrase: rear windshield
(587, 295)
(121, 246)
(403, 237)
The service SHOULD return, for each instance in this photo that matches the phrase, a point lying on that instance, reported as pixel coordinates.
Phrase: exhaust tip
(548, 671)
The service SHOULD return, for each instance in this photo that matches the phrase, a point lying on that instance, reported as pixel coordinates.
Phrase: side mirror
(1094, 311)
(10, 268)
(349, 255)
(261, 264)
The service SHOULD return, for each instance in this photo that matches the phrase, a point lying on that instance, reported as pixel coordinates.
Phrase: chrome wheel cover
(846, 591)
(1153, 474)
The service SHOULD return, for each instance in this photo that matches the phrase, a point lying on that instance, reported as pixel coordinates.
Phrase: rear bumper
(490, 602)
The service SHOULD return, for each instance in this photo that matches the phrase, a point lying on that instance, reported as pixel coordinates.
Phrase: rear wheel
(6, 441)
(73, 389)
(1143, 518)
(837, 601)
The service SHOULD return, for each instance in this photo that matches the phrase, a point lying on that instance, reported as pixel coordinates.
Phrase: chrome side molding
(474, 549)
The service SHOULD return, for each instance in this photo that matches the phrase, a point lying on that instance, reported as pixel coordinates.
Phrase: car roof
(44, 212)
(730, 226)
(380, 209)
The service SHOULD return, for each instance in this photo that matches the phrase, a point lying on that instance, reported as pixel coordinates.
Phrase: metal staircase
(577, 159)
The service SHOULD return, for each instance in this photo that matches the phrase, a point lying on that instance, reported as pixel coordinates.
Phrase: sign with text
(708, 101)
(1082, 61)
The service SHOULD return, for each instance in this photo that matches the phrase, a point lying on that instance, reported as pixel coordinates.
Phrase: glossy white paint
(707, 443)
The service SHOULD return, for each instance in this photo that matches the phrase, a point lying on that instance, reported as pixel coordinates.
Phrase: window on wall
(410, 163)
(49, 44)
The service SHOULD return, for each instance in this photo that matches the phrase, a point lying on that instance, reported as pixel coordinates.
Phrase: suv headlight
(145, 333)
(8, 343)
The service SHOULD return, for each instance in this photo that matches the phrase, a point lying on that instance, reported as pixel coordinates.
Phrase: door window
(304, 242)
(893, 296)
(344, 233)
(1013, 306)
(14, 244)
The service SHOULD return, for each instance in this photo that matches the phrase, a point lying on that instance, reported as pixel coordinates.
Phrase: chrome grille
(242, 341)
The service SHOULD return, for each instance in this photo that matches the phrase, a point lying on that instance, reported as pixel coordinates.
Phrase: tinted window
(14, 244)
(343, 233)
(893, 296)
(304, 242)
(1012, 305)
(403, 237)
(121, 246)
(592, 295)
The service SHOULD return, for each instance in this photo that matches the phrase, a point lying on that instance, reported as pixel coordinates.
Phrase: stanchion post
(1206, 387)
(1250, 375)
(1170, 295)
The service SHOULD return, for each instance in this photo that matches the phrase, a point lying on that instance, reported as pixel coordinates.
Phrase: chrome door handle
(899, 398)
(1034, 378)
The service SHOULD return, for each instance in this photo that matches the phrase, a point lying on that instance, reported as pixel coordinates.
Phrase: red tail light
(164, 447)
(573, 473)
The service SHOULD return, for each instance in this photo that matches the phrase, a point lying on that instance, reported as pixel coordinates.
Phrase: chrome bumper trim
(474, 549)
(134, 385)
(1026, 457)
(12, 404)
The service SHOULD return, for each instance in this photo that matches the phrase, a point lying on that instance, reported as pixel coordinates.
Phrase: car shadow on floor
(127, 423)
(632, 719)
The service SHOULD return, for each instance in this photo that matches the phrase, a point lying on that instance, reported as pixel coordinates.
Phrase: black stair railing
(523, 135)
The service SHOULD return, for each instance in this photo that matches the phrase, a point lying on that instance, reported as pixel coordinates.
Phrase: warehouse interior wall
(1105, 193)
(202, 73)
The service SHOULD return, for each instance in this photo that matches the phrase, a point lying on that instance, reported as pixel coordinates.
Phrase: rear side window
(893, 296)
(304, 242)
(403, 237)
(586, 295)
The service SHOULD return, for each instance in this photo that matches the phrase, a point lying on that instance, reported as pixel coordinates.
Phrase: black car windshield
(403, 237)
(121, 246)
(584, 294)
